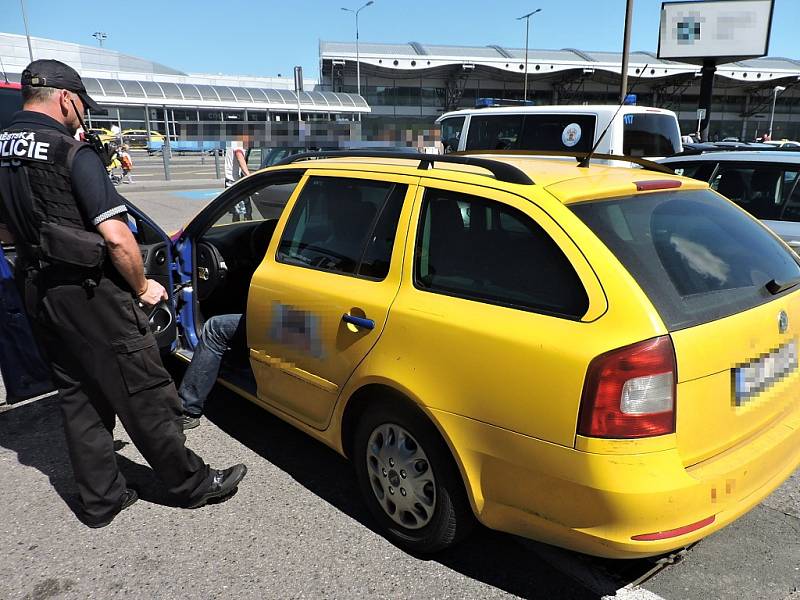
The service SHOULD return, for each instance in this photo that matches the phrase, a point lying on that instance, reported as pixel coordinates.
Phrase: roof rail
(642, 162)
(501, 171)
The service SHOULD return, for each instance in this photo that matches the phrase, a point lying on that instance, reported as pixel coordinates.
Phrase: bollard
(166, 149)
(216, 163)
(165, 152)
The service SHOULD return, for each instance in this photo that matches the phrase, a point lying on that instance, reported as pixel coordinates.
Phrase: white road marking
(636, 593)
(582, 569)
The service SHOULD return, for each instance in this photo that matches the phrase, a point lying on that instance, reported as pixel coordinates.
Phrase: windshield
(696, 256)
(649, 134)
(451, 133)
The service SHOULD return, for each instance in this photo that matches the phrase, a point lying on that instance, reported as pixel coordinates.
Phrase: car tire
(389, 437)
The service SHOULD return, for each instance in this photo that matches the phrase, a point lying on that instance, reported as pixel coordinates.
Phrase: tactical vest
(36, 191)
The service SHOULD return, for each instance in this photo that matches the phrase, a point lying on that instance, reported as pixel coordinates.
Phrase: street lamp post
(27, 33)
(527, 31)
(100, 36)
(358, 56)
(775, 91)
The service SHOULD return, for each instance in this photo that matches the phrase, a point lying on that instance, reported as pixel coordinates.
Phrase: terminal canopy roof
(415, 59)
(195, 95)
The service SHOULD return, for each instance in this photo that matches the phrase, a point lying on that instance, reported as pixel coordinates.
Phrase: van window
(451, 133)
(560, 132)
(697, 257)
(650, 134)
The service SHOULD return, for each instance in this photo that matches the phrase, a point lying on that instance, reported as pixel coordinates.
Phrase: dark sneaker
(223, 484)
(128, 497)
(190, 421)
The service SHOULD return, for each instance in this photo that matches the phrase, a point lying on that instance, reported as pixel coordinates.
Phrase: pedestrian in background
(127, 163)
(85, 287)
(235, 169)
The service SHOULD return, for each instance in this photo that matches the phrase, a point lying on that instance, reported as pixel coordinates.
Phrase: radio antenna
(3, 68)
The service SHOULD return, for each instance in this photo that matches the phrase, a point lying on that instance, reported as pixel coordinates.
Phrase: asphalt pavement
(297, 527)
(186, 168)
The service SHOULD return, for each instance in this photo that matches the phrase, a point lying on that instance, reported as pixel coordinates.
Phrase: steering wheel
(210, 269)
(325, 255)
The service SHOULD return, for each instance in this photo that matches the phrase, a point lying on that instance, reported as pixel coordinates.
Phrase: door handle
(358, 321)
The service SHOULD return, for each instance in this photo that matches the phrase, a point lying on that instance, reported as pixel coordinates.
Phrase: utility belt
(66, 255)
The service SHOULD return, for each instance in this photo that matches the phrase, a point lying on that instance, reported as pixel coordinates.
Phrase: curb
(178, 184)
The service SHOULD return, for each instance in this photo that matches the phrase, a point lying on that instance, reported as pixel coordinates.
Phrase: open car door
(158, 258)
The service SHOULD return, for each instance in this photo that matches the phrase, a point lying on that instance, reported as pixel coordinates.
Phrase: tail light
(630, 392)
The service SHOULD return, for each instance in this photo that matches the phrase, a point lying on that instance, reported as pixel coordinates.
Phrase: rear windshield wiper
(775, 287)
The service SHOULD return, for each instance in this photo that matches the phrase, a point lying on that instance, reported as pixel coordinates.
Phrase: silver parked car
(764, 183)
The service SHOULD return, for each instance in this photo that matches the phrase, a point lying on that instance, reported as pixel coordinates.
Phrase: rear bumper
(596, 503)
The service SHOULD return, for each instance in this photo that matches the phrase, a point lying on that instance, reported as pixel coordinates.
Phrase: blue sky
(266, 37)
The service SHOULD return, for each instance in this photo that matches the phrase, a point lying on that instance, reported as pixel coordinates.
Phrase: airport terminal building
(411, 84)
(404, 88)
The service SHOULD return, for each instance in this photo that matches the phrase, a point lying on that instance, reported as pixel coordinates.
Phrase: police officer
(84, 284)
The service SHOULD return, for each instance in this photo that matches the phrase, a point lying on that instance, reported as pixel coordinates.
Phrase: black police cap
(55, 74)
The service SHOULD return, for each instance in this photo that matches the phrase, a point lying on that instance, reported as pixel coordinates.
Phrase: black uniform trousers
(105, 363)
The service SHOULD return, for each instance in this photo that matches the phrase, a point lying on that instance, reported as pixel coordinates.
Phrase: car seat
(764, 199)
(733, 186)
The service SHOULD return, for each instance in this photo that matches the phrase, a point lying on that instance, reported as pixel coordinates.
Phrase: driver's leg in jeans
(219, 334)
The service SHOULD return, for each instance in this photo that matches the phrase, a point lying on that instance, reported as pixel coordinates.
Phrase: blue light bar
(489, 102)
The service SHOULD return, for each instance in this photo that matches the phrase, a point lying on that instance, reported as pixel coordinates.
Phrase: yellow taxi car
(601, 358)
(105, 135)
(139, 138)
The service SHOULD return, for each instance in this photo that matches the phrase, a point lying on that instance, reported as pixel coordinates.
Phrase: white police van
(639, 131)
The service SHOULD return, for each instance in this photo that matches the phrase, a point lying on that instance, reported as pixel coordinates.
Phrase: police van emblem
(783, 322)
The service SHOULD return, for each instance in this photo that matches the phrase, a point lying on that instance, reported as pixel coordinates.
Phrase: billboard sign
(716, 30)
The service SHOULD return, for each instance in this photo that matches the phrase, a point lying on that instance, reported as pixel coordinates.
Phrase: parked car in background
(105, 135)
(10, 102)
(139, 138)
(262, 157)
(783, 143)
(23, 372)
(764, 183)
(181, 147)
(700, 147)
(639, 131)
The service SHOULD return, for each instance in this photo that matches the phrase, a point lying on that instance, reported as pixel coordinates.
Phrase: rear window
(650, 134)
(564, 132)
(697, 257)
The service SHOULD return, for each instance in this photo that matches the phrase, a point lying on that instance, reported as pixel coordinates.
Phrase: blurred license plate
(762, 373)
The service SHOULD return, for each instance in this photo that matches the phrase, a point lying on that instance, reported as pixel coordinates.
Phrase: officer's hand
(153, 294)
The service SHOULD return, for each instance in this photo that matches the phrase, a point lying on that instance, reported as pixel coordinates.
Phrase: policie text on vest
(21, 144)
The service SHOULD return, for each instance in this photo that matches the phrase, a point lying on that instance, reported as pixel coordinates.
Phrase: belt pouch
(71, 246)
